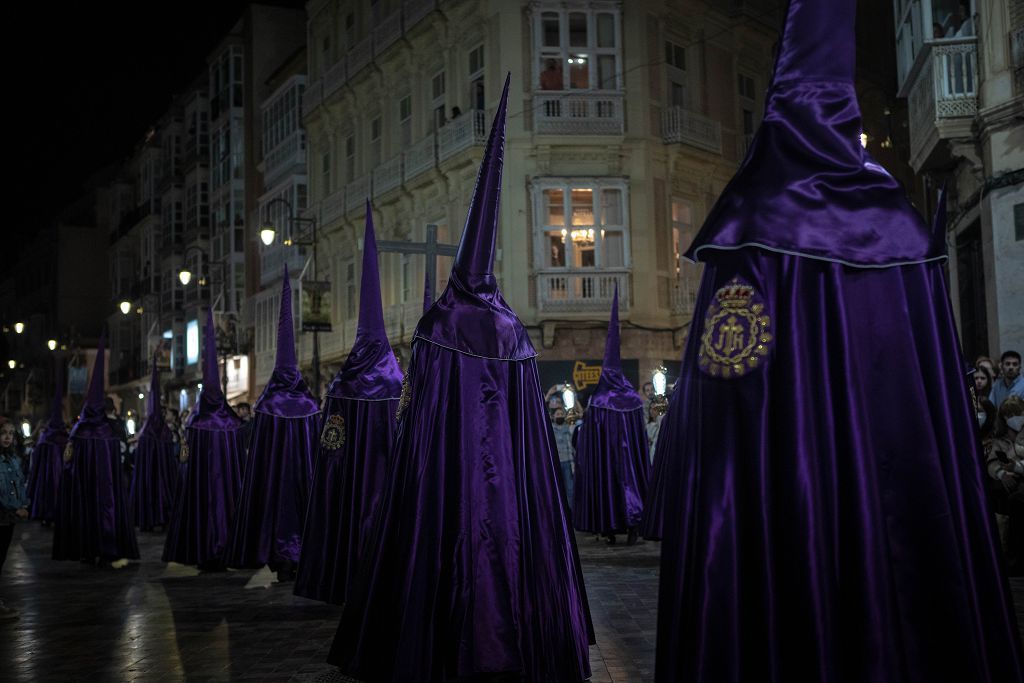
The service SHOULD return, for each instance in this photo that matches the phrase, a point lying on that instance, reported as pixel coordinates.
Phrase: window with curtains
(578, 49)
(581, 224)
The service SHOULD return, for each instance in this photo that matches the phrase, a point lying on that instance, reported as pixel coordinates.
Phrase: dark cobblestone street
(152, 621)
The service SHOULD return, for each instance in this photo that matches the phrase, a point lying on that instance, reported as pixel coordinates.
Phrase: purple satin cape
(44, 476)
(93, 520)
(153, 480)
(658, 502)
(207, 495)
(267, 529)
(348, 483)
(829, 519)
(612, 468)
(471, 567)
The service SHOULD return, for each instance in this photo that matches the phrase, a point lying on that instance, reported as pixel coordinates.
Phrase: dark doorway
(970, 272)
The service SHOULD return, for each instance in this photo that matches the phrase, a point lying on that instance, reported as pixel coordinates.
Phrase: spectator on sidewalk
(563, 442)
(1004, 460)
(1010, 382)
(13, 499)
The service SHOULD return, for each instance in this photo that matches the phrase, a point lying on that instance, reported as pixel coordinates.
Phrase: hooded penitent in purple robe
(47, 463)
(612, 463)
(471, 569)
(279, 463)
(93, 520)
(156, 466)
(210, 479)
(828, 519)
(355, 446)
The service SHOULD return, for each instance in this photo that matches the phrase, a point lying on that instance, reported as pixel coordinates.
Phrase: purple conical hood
(57, 407)
(476, 248)
(92, 421)
(471, 316)
(371, 312)
(817, 41)
(285, 327)
(807, 186)
(212, 410)
(155, 426)
(370, 372)
(286, 394)
(613, 390)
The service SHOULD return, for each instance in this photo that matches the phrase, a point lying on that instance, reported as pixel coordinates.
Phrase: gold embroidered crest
(69, 450)
(403, 400)
(333, 436)
(183, 455)
(737, 332)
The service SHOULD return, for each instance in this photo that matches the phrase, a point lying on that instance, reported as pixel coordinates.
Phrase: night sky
(90, 81)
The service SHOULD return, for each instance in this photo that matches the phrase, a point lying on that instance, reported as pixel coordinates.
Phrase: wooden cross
(429, 248)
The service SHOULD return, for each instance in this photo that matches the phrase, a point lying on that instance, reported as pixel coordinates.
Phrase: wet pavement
(158, 622)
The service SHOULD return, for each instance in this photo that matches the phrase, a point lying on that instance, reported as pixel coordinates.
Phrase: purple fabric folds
(210, 476)
(279, 463)
(471, 567)
(829, 519)
(156, 466)
(348, 482)
(612, 465)
(658, 502)
(92, 520)
(356, 435)
(47, 464)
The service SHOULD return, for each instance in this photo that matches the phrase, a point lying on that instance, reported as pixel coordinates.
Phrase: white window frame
(437, 100)
(476, 77)
(592, 51)
(542, 228)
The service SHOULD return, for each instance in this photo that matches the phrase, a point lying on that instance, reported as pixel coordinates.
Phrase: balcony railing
(335, 77)
(360, 55)
(683, 296)
(387, 176)
(289, 153)
(568, 292)
(691, 128)
(356, 193)
(387, 32)
(333, 206)
(943, 98)
(578, 114)
(465, 131)
(421, 157)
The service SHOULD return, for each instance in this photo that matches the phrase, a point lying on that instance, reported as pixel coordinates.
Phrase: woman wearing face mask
(13, 499)
(1005, 464)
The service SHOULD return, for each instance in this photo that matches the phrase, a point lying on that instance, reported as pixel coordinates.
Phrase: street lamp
(660, 381)
(185, 275)
(12, 364)
(52, 344)
(125, 306)
(572, 411)
(19, 327)
(267, 234)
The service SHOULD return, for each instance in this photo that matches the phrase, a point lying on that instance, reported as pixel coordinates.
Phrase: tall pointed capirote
(612, 358)
(93, 407)
(371, 311)
(211, 378)
(57, 408)
(428, 294)
(476, 248)
(285, 327)
(818, 42)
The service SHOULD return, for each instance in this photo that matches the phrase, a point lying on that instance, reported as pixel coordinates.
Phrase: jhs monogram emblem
(737, 332)
(333, 436)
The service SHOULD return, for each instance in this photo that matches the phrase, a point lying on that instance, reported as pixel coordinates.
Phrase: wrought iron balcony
(460, 133)
(333, 79)
(420, 158)
(356, 193)
(387, 176)
(690, 128)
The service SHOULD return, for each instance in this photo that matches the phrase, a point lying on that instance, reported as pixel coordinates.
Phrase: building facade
(625, 122)
(961, 68)
(181, 203)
